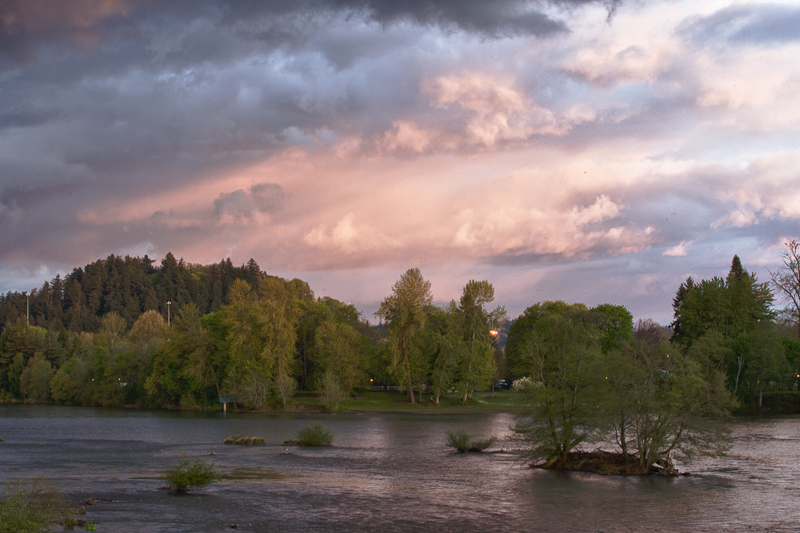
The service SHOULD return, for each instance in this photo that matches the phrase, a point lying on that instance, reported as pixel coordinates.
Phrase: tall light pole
(28, 309)
(168, 304)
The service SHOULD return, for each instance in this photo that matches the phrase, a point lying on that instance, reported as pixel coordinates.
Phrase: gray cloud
(30, 28)
(746, 24)
(264, 198)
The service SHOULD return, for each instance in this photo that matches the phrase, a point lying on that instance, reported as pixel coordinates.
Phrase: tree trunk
(409, 381)
(738, 373)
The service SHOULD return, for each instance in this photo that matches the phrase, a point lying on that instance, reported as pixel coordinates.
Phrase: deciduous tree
(786, 281)
(560, 352)
(404, 313)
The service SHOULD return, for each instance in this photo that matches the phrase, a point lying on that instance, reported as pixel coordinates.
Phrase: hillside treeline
(128, 286)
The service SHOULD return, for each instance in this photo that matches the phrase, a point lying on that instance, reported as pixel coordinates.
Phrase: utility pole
(168, 304)
(28, 309)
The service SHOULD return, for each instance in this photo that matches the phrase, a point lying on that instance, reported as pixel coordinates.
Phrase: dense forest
(128, 331)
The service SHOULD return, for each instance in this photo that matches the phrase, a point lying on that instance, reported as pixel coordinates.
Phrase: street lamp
(28, 309)
(168, 304)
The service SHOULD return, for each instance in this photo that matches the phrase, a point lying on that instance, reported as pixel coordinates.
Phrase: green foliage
(617, 325)
(330, 392)
(654, 398)
(34, 379)
(315, 434)
(32, 507)
(645, 395)
(460, 440)
(522, 328)
(188, 473)
(404, 312)
(760, 357)
(560, 352)
(339, 351)
(476, 366)
(730, 306)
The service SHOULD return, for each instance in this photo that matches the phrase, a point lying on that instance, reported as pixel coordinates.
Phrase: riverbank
(501, 401)
(397, 402)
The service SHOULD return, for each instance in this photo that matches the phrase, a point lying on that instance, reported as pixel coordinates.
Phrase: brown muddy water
(385, 473)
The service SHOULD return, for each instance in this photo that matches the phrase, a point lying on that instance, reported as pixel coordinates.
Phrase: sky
(586, 151)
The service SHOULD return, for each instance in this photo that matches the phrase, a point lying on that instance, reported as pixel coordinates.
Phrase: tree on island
(655, 400)
(560, 352)
(643, 394)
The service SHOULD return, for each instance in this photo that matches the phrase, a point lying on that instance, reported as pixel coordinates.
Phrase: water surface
(386, 473)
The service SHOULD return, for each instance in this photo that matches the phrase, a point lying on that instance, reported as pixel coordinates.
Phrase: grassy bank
(397, 402)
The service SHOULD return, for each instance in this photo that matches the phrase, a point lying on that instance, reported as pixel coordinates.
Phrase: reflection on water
(386, 472)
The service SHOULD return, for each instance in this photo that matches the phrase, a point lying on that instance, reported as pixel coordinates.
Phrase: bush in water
(189, 473)
(315, 434)
(461, 441)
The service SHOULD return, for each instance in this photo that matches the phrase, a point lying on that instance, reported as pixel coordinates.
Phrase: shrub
(32, 507)
(525, 384)
(481, 444)
(458, 439)
(315, 434)
(189, 473)
(461, 441)
(330, 392)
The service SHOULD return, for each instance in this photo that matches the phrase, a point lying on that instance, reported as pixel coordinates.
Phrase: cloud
(524, 141)
(347, 237)
(264, 198)
(759, 24)
(495, 19)
(679, 250)
(25, 24)
(498, 111)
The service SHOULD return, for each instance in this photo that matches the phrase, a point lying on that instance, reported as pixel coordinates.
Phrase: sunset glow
(584, 151)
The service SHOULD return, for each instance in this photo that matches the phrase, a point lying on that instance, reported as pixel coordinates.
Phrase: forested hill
(130, 286)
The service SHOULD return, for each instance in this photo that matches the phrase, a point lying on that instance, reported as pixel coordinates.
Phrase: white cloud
(679, 250)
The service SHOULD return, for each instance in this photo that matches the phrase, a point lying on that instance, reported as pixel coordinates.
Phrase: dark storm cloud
(746, 24)
(28, 26)
(499, 18)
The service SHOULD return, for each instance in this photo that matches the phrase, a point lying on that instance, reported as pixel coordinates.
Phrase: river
(385, 473)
